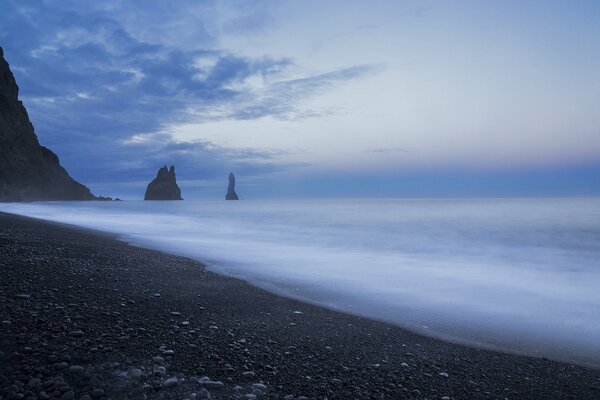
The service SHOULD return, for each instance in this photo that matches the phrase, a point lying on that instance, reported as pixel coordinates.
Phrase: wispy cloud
(387, 150)
(97, 78)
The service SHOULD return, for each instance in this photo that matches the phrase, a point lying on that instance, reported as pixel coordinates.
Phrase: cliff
(28, 170)
(164, 186)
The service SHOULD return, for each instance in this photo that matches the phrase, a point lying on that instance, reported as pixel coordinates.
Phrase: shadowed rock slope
(28, 170)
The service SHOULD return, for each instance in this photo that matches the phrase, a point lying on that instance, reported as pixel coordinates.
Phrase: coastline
(77, 298)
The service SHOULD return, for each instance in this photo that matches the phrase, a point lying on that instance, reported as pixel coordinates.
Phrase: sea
(517, 275)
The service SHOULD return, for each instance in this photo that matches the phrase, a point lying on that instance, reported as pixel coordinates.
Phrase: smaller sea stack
(164, 186)
(231, 194)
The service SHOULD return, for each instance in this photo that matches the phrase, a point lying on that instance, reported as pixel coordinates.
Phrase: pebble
(175, 313)
(250, 396)
(97, 392)
(34, 382)
(259, 386)
(6, 323)
(158, 360)
(170, 382)
(62, 365)
(76, 334)
(444, 374)
(135, 373)
(249, 374)
(76, 369)
(68, 395)
(213, 384)
(404, 365)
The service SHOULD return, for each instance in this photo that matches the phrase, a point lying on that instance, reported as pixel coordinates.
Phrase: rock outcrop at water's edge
(231, 194)
(28, 170)
(164, 186)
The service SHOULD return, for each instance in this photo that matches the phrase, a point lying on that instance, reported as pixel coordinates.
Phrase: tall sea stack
(28, 170)
(164, 186)
(231, 194)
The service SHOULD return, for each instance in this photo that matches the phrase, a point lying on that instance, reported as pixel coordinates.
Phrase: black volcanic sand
(86, 316)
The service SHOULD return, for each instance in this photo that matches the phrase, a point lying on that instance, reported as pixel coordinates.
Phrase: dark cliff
(164, 186)
(28, 170)
(231, 194)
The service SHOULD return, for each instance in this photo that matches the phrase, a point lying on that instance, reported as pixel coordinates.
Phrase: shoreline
(81, 298)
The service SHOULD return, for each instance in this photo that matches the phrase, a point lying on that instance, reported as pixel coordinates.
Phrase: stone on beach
(170, 382)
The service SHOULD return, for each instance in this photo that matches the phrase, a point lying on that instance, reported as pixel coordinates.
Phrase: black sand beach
(87, 316)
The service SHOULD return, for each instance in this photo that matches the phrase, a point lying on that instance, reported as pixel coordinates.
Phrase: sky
(315, 98)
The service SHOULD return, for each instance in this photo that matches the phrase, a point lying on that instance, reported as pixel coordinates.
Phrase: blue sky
(317, 98)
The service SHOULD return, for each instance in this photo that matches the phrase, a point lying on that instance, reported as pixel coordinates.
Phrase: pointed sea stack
(164, 186)
(28, 170)
(231, 194)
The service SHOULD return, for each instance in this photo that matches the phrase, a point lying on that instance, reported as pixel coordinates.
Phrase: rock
(170, 382)
(444, 374)
(231, 194)
(213, 384)
(6, 324)
(28, 170)
(158, 360)
(135, 373)
(97, 393)
(204, 394)
(248, 374)
(68, 395)
(250, 396)
(62, 365)
(164, 186)
(259, 386)
(76, 369)
(76, 334)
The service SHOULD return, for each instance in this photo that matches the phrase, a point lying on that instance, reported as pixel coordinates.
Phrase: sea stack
(231, 194)
(164, 186)
(28, 170)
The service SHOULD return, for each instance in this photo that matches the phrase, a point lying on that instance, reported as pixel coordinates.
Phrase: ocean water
(518, 275)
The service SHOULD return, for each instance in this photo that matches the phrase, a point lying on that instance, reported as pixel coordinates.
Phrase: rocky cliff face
(28, 171)
(164, 186)
(231, 194)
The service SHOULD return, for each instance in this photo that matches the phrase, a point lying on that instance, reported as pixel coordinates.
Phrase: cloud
(387, 150)
(104, 83)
